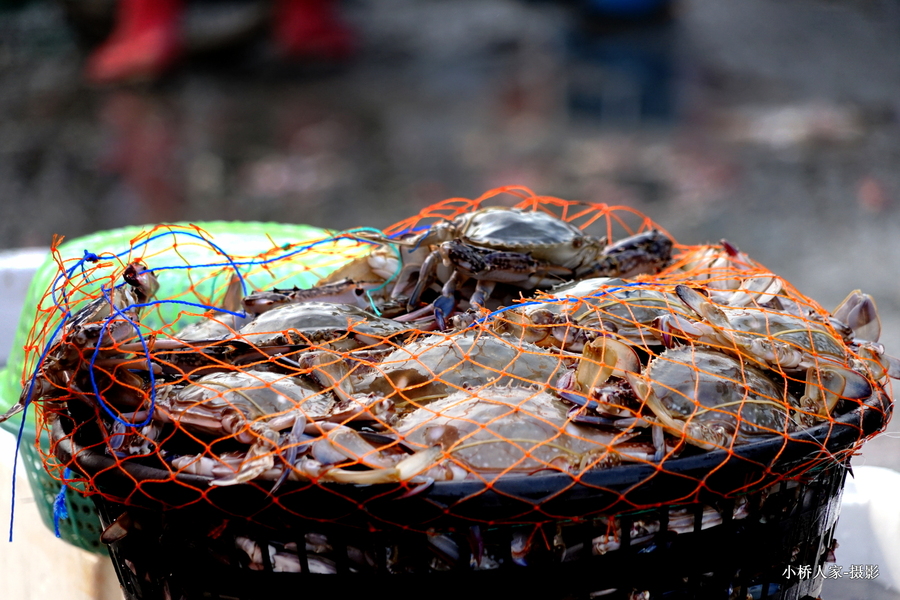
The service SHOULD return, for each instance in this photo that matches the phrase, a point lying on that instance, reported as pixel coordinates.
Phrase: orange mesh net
(599, 370)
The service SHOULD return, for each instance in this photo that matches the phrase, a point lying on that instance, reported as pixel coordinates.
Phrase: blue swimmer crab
(781, 342)
(251, 407)
(713, 400)
(490, 432)
(575, 313)
(500, 430)
(284, 329)
(528, 249)
(434, 366)
(89, 335)
(340, 326)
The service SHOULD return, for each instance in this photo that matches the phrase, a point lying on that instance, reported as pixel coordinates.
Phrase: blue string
(12, 509)
(60, 510)
(109, 319)
(403, 232)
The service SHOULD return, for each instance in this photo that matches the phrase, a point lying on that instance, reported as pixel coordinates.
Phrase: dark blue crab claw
(443, 306)
(578, 399)
(295, 437)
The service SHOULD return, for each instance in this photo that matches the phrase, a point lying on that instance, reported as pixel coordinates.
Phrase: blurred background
(774, 125)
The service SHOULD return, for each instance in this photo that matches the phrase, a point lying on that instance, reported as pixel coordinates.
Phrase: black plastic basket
(377, 542)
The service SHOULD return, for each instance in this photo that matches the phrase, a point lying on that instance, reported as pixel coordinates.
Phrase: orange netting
(552, 358)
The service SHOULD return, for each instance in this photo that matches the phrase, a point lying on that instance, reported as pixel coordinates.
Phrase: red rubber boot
(312, 29)
(145, 43)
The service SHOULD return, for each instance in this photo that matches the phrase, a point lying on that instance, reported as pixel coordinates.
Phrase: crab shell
(341, 326)
(228, 403)
(549, 239)
(577, 312)
(627, 310)
(437, 365)
(499, 430)
(714, 400)
(544, 236)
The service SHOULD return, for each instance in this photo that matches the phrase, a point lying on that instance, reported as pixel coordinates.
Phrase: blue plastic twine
(60, 510)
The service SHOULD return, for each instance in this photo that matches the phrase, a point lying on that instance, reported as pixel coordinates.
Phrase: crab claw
(825, 386)
(405, 470)
(858, 311)
(760, 290)
(672, 328)
(443, 306)
(259, 459)
(18, 406)
(142, 280)
(701, 305)
(606, 358)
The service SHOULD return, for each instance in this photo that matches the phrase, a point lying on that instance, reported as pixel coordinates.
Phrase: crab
(321, 451)
(713, 400)
(499, 430)
(729, 275)
(489, 432)
(528, 249)
(340, 326)
(782, 342)
(251, 407)
(283, 330)
(343, 291)
(437, 365)
(89, 336)
(575, 313)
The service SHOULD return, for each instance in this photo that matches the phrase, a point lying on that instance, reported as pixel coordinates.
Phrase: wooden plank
(36, 565)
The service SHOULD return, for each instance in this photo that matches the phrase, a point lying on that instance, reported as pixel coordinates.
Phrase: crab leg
(446, 302)
(295, 438)
(427, 275)
(405, 470)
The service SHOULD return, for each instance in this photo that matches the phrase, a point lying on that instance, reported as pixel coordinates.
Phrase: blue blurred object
(630, 9)
(623, 72)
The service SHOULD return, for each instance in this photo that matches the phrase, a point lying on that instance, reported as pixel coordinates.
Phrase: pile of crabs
(501, 342)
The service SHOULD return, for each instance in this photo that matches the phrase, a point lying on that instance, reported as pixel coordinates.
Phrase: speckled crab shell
(224, 403)
(437, 365)
(543, 235)
(505, 429)
(343, 325)
(714, 398)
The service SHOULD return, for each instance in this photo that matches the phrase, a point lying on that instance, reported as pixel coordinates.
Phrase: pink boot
(311, 29)
(145, 43)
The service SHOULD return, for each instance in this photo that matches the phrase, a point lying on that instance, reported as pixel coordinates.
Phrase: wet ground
(774, 125)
